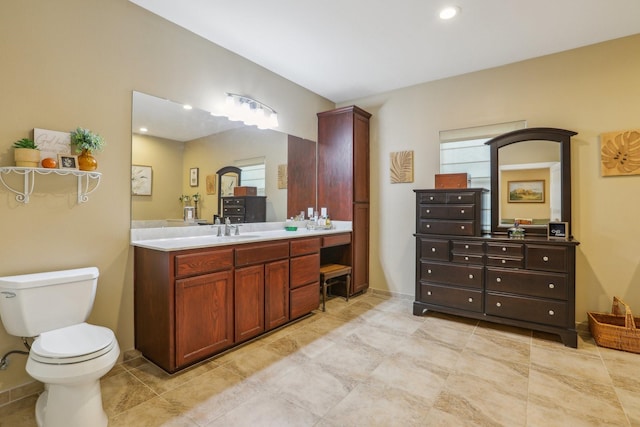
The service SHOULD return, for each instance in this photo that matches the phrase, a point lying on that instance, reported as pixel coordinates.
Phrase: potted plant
(86, 143)
(26, 153)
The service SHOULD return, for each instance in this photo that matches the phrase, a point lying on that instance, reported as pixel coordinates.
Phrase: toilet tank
(34, 303)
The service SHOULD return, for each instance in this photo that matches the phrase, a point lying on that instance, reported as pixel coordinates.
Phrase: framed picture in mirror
(526, 191)
(227, 184)
(141, 180)
(193, 177)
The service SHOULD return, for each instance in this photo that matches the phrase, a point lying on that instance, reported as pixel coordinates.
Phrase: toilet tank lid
(35, 280)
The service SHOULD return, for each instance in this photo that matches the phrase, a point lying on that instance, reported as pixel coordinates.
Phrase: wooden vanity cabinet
(304, 283)
(343, 181)
(528, 283)
(261, 271)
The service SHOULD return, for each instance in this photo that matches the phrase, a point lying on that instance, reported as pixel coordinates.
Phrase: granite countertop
(181, 238)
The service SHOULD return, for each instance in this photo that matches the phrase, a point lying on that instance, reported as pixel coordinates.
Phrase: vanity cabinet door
(249, 302)
(204, 316)
(276, 294)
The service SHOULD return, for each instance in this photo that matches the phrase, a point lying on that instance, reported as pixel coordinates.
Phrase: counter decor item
(616, 330)
(86, 143)
(26, 153)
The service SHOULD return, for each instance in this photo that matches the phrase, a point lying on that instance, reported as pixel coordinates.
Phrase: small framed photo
(558, 230)
(526, 191)
(141, 180)
(67, 161)
(193, 177)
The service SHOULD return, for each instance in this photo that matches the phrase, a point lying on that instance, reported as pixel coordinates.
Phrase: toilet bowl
(68, 355)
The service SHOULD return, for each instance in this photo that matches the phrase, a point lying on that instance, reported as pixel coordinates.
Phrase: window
(253, 173)
(464, 150)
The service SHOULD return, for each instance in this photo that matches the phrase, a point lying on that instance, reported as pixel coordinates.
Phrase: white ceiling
(349, 49)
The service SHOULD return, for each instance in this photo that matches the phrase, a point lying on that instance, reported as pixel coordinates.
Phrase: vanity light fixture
(250, 112)
(449, 12)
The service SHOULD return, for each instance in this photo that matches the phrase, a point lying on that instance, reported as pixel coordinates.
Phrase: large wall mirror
(182, 150)
(530, 179)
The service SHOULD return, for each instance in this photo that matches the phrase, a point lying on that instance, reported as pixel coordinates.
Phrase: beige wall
(75, 63)
(589, 90)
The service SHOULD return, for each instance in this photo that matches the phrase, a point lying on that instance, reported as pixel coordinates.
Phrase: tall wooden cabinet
(343, 181)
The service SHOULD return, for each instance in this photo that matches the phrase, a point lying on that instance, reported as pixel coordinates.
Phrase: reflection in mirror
(178, 139)
(529, 183)
(229, 177)
(530, 179)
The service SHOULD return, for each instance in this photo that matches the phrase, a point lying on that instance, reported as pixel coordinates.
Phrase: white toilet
(68, 355)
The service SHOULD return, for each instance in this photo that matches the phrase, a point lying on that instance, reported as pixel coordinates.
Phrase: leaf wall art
(620, 153)
(401, 169)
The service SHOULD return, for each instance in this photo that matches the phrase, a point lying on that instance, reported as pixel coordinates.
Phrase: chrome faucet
(227, 226)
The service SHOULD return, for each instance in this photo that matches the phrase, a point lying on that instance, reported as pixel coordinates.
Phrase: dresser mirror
(530, 179)
(229, 177)
(179, 139)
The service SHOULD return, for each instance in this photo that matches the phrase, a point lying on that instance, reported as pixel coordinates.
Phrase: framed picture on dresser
(558, 230)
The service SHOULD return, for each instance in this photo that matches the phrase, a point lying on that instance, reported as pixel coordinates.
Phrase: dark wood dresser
(528, 283)
(241, 209)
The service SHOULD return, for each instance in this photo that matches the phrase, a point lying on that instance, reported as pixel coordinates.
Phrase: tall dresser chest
(528, 283)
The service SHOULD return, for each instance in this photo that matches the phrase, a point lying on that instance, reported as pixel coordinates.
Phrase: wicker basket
(616, 330)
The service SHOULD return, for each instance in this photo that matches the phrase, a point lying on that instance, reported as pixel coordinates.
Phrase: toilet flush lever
(8, 294)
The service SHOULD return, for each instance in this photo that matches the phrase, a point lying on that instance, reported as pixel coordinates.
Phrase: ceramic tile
(152, 413)
(122, 392)
(160, 382)
(20, 413)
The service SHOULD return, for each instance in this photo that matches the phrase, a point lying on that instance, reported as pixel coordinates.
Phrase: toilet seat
(72, 344)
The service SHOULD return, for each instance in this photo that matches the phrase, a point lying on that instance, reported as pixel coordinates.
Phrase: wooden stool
(333, 271)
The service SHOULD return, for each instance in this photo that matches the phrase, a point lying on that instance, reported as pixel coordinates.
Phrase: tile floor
(370, 362)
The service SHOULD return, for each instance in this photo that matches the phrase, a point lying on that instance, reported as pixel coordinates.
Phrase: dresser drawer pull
(431, 198)
(545, 258)
(433, 249)
(504, 261)
(551, 313)
(429, 293)
(466, 258)
(498, 304)
(466, 246)
(428, 225)
(428, 210)
(504, 249)
(498, 280)
(551, 286)
(462, 227)
(459, 197)
(471, 276)
(470, 299)
(429, 271)
(461, 211)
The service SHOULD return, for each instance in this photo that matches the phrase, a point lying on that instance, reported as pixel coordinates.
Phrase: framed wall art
(526, 191)
(67, 161)
(141, 180)
(193, 177)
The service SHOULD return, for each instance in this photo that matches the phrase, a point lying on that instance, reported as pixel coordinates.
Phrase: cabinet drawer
(546, 285)
(261, 253)
(467, 247)
(497, 261)
(232, 210)
(305, 246)
(468, 259)
(505, 249)
(432, 198)
(447, 211)
(548, 312)
(304, 300)
(336, 240)
(466, 299)
(461, 197)
(203, 262)
(547, 258)
(434, 249)
(304, 270)
(452, 274)
(455, 228)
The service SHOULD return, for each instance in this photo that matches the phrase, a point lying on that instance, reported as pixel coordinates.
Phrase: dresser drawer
(467, 259)
(452, 274)
(461, 197)
(432, 198)
(547, 258)
(505, 249)
(497, 261)
(434, 249)
(467, 247)
(232, 202)
(454, 228)
(232, 210)
(466, 299)
(546, 285)
(447, 211)
(547, 312)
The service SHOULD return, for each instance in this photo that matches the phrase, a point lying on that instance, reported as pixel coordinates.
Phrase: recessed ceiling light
(449, 12)
(144, 130)
(187, 107)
